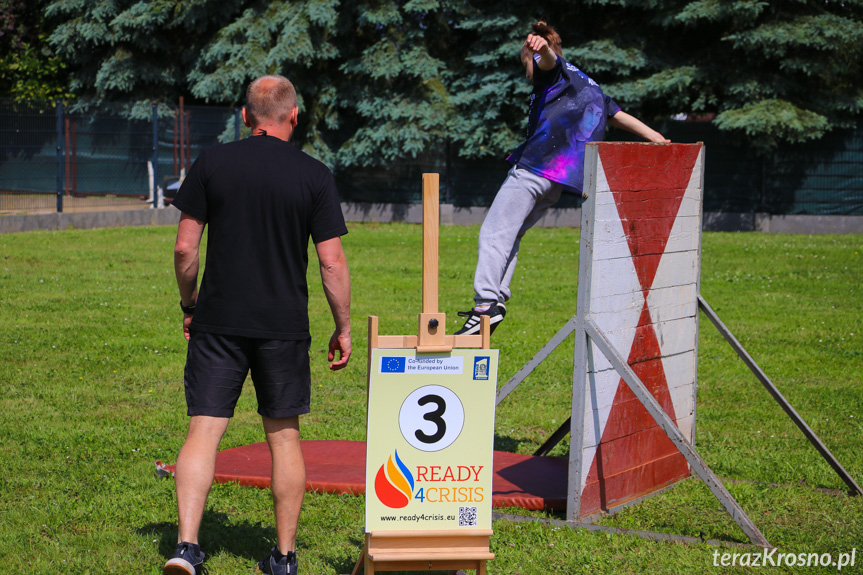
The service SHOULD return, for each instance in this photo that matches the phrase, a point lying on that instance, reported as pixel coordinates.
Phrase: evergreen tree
(382, 80)
(770, 71)
(393, 79)
(29, 69)
(135, 50)
(774, 71)
(487, 81)
(295, 39)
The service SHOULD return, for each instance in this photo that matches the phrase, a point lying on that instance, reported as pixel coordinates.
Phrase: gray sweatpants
(521, 201)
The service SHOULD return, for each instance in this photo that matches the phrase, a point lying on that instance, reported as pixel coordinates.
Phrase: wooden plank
(431, 217)
(397, 342)
(468, 341)
(681, 367)
(652, 375)
(576, 470)
(630, 451)
(685, 234)
(683, 237)
(630, 418)
(696, 189)
(667, 303)
(673, 302)
(657, 199)
(629, 412)
(611, 490)
(681, 372)
(485, 332)
(419, 534)
(687, 424)
(478, 565)
(676, 269)
(641, 168)
(373, 344)
(430, 555)
(424, 550)
(616, 276)
(681, 268)
(675, 337)
(689, 204)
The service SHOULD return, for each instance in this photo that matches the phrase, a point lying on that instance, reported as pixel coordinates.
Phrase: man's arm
(186, 263)
(632, 124)
(337, 287)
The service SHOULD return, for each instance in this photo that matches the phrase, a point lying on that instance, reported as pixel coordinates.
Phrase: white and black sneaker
(278, 564)
(187, 560)
(471, 325)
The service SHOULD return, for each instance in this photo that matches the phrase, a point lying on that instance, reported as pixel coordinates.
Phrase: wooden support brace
(780, 399)
(667, 425)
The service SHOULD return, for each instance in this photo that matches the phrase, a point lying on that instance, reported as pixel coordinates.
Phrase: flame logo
(394, 483)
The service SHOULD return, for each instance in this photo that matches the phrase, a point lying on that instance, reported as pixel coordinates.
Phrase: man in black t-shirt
(262, 200)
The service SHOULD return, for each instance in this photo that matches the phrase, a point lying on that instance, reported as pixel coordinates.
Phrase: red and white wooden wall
(639, 282)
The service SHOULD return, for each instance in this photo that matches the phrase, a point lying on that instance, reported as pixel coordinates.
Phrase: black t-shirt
(262, 200)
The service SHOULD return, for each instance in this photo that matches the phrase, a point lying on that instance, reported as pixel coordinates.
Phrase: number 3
(435, 417)
(431, 418)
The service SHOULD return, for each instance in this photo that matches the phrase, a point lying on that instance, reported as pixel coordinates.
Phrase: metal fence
(86, 157)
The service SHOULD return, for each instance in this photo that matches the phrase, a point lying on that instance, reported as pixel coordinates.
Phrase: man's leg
(288, 479)
(196, 467)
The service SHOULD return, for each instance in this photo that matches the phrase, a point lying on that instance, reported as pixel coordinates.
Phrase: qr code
(467, 516)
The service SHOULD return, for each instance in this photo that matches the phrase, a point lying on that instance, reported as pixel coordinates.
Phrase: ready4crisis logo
(396, 486)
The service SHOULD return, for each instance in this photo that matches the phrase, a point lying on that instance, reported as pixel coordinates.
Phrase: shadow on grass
(247, 540)
(252, 541)
(506, 443)
(338, 562)
(525, 445)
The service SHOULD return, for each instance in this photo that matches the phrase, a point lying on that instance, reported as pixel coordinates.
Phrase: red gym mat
(522, 481)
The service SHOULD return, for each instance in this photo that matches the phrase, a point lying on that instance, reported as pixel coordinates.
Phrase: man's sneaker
(278, 564)
(188, 560)
(496, 314)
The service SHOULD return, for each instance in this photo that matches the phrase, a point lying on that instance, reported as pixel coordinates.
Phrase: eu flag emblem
(392, 364)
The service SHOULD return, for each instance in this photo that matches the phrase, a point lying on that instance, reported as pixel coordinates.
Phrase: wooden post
(431, 216)
(432, 325)
(373, 340)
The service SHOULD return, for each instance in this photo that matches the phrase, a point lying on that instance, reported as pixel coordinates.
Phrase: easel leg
(360, 561)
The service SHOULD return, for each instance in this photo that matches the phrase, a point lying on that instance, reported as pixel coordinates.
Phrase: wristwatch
(188, 309)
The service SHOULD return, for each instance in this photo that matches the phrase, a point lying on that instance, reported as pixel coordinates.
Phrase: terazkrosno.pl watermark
(775, 558)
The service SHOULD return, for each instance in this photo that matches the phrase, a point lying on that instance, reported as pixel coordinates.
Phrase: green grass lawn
(91, 359)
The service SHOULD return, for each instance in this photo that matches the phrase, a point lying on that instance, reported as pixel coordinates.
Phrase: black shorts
(217, 365)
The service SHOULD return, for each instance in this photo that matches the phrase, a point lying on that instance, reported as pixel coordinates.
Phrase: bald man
(262, 200)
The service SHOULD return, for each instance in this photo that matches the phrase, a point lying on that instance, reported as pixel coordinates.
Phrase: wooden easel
(446, 550)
